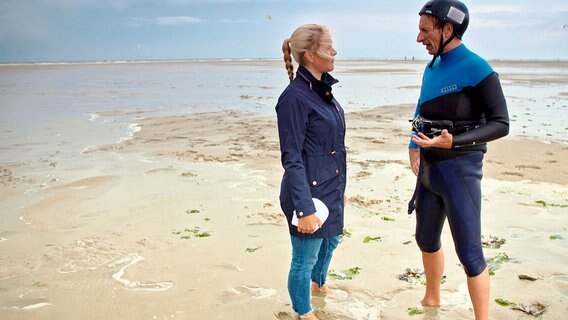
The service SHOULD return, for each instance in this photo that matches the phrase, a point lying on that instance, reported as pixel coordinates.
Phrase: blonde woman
(311, 128)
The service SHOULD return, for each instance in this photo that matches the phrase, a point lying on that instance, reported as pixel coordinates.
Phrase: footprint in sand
(246, 293)
(528, 167)
(86, 254)
(283, 315)
(364, 202)
(321, 314)
(518, 232)
(342, 305)
(266, 218)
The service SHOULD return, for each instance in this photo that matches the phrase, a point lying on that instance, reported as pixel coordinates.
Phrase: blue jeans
(310, 262)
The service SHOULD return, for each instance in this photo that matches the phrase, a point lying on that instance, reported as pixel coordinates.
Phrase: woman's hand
(443, 141)
(309, 224)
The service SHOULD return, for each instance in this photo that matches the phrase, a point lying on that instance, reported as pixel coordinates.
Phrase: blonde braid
(288, 58)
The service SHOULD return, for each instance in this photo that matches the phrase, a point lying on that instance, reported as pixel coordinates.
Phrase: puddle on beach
(560, 283)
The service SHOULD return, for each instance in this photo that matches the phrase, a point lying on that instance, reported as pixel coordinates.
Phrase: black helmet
(450, 11)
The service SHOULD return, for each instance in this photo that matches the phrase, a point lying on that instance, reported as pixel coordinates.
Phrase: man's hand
(414, 157)
(443, 141)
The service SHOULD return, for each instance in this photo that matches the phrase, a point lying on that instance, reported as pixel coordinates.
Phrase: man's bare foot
(309, 316)
(323, 290)
(430, 302)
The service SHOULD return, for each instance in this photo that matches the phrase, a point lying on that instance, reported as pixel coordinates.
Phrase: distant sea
(87, 104)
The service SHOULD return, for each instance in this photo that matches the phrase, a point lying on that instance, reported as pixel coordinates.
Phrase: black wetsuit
(460, 87)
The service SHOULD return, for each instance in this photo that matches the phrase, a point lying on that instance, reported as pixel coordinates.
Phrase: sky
(117, 30)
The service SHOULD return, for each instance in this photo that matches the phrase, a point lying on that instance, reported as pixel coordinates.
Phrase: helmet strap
(441, 46)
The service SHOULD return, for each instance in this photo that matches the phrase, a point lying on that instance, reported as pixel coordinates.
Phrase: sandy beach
(180, 218)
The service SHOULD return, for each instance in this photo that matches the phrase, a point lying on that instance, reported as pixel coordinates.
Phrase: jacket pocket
(324, 175)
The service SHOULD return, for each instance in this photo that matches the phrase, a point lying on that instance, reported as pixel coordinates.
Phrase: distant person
(311, 129)
(461, 108)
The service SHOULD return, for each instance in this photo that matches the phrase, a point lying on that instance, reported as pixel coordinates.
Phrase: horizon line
(125, 61)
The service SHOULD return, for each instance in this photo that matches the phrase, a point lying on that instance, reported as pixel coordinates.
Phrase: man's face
(428, 34)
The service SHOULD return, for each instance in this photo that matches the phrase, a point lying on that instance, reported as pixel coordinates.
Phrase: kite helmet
(450, 11)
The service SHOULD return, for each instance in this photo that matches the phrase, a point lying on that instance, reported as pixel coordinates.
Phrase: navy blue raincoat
(311, 128)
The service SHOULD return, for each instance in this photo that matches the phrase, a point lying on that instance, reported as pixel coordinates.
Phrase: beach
(150, 191)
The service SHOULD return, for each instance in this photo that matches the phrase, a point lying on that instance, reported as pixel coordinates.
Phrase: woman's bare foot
(323, 290)
(309, 316)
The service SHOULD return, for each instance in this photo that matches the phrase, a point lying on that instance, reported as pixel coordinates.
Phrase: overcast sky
(87, 30)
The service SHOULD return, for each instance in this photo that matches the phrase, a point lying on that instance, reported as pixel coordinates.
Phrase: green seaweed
(504, 302)
(546, 204)
(251, 250)
(555, 237)
(368, 239)
(344, 274)
(415, 311)
(203, 234)
(192, 211)
(189, 233)
(496, 262)
(493, 242)
(416, 276)
(501, 257)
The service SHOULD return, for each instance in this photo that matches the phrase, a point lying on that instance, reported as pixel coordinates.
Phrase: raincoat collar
(321, 87)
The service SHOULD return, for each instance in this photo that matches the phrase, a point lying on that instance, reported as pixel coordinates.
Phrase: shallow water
(102, 102)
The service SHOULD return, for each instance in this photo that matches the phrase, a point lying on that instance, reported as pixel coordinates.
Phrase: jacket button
(314, 182)
(336, 171)
(301, 213)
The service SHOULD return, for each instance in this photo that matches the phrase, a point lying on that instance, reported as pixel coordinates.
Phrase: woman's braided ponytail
(288, 58)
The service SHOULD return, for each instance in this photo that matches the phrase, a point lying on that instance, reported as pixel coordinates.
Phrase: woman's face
(324, 57)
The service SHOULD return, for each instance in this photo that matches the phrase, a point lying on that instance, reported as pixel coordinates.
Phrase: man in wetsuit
(461, 108)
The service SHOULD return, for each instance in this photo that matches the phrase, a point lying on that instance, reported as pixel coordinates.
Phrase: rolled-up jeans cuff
(303, 315)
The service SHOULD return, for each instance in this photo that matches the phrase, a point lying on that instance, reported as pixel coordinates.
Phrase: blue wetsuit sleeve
(488, 95)
(292, 126)
(411, 144)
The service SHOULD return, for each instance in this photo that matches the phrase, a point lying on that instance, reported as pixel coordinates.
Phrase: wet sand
(182, 222)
